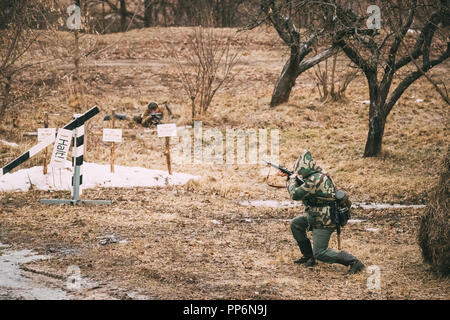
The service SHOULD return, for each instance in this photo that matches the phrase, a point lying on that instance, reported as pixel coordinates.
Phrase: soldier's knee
(293, 225)
(298, 224)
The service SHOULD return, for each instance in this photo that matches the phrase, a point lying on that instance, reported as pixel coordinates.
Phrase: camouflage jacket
(316, 191)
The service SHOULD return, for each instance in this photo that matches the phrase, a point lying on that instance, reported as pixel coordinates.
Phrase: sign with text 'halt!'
(61, 149)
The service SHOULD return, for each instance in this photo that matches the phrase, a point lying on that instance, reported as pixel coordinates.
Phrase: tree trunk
(147, 13)
(123, 16)
(285, 83)
(6, 97)
(333, 72)
(292, 70)
(377, 121)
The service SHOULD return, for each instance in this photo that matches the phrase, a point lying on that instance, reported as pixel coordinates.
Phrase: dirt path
(160, 62)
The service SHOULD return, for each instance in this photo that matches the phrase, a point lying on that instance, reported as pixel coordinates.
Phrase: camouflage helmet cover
(305, 165)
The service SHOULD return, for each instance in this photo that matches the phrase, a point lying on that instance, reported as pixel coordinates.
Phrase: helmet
(152, 106)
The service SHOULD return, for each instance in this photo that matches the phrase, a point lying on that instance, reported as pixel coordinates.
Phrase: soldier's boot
(310, 263)
(345, 258)
(306, 250)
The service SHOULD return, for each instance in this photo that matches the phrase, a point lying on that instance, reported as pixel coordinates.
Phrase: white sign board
(167, 130)
(112, 135)
(61, 149)
(44, 133)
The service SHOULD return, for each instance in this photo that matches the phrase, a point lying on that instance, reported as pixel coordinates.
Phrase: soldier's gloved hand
(292, 177)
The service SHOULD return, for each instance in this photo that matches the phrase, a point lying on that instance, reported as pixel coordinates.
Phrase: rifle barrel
(284, 170)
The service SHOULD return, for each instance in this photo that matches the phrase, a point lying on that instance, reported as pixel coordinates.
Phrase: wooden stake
(77, 62)
(45, 151)
(113, 124)
(169, 167)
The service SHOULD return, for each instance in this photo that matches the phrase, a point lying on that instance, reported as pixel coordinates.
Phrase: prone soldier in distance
(153, 115)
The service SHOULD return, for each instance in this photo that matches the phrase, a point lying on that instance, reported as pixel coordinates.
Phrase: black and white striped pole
(78, 140)
(27, 155)
(77, 127)
(77, 158)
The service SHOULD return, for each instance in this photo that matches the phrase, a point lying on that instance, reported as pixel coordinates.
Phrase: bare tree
(204, 66)
(16, 38)
(277, 12)
(381, 55)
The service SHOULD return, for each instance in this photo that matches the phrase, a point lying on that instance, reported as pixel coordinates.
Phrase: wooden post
(169, 166)
(166, 131)
(113, 124)
(45, 151)
(77, 64)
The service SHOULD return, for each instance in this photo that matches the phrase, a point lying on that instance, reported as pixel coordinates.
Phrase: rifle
(285, 171)
(156, 117)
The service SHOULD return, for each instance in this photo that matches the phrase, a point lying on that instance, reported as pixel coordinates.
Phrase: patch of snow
(11, 144)
(372, 229)
(355, 221)
(14, 282)
(365, 102)
(419, 100)
(362, 205)
(381, 206)
(270, 203)
(94, 176)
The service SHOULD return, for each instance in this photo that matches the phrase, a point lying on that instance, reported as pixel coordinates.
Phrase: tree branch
(389, 69)
(429, 28)
(406, 82)
(311, 62)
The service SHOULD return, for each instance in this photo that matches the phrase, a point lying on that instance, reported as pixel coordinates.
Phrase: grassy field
(197, 241)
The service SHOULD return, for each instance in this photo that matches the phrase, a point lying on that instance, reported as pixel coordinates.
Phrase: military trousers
(321, 239)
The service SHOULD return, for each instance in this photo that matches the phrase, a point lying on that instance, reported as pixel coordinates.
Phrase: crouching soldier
(316, 187)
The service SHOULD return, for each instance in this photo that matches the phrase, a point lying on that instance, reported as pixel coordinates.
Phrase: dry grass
(187, 245)
(434, 232)
(174, 250)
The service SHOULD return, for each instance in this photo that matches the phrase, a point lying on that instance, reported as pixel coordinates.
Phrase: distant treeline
(106, 16)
